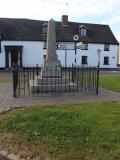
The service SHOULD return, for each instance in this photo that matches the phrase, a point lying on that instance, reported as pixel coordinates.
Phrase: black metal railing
(70, 80)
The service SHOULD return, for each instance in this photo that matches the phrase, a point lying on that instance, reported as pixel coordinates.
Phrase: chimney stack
(64, 20)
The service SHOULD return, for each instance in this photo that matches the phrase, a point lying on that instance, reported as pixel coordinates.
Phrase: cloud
(107, 11)
(114, 19)
(45, 9)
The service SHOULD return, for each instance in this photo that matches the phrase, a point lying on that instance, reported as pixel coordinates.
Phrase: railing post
(72, 73)
(37, 70)
(97, 86)
(15, 81)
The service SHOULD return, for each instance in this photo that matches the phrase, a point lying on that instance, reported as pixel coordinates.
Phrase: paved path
(7, 101)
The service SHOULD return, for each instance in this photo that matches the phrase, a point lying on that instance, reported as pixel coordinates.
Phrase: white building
(23, 42)
(118, 55)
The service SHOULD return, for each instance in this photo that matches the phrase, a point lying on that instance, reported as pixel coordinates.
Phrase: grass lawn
(5, 80)
(74, 132)
(110, 82)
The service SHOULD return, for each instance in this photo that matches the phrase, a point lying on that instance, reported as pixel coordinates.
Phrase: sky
(87, 11)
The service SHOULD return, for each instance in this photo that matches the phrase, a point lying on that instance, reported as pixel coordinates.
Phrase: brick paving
(7, 101)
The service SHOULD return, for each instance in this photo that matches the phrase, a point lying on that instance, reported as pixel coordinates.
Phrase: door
(14, 58)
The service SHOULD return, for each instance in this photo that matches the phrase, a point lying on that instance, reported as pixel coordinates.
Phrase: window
(106, 60)
(44, 56)
(0, 46)
(44, 45)
(1, 37)
(75, 60)
(82, 30)
(84, 59)
(106, 47)
(44, 28)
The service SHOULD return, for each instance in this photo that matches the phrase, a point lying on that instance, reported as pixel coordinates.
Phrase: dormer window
(44, 28)
(106, 47)
(82, 30)
(44, 45)
(1, 37)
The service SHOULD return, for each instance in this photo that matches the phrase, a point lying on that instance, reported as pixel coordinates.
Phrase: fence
(71, 80)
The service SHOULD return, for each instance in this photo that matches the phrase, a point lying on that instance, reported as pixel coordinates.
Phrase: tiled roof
(31, 30)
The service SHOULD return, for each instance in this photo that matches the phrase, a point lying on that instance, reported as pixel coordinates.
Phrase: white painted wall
(68, 59)
(119, 54)
(2, 57)
(92, 56)
(33, 54)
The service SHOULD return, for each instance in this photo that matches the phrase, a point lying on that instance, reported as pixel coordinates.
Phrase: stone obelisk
(50, 79)
(51, 66)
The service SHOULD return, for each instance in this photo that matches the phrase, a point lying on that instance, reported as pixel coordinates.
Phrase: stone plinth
(45, 81)
(51, 84)
(59, 87)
